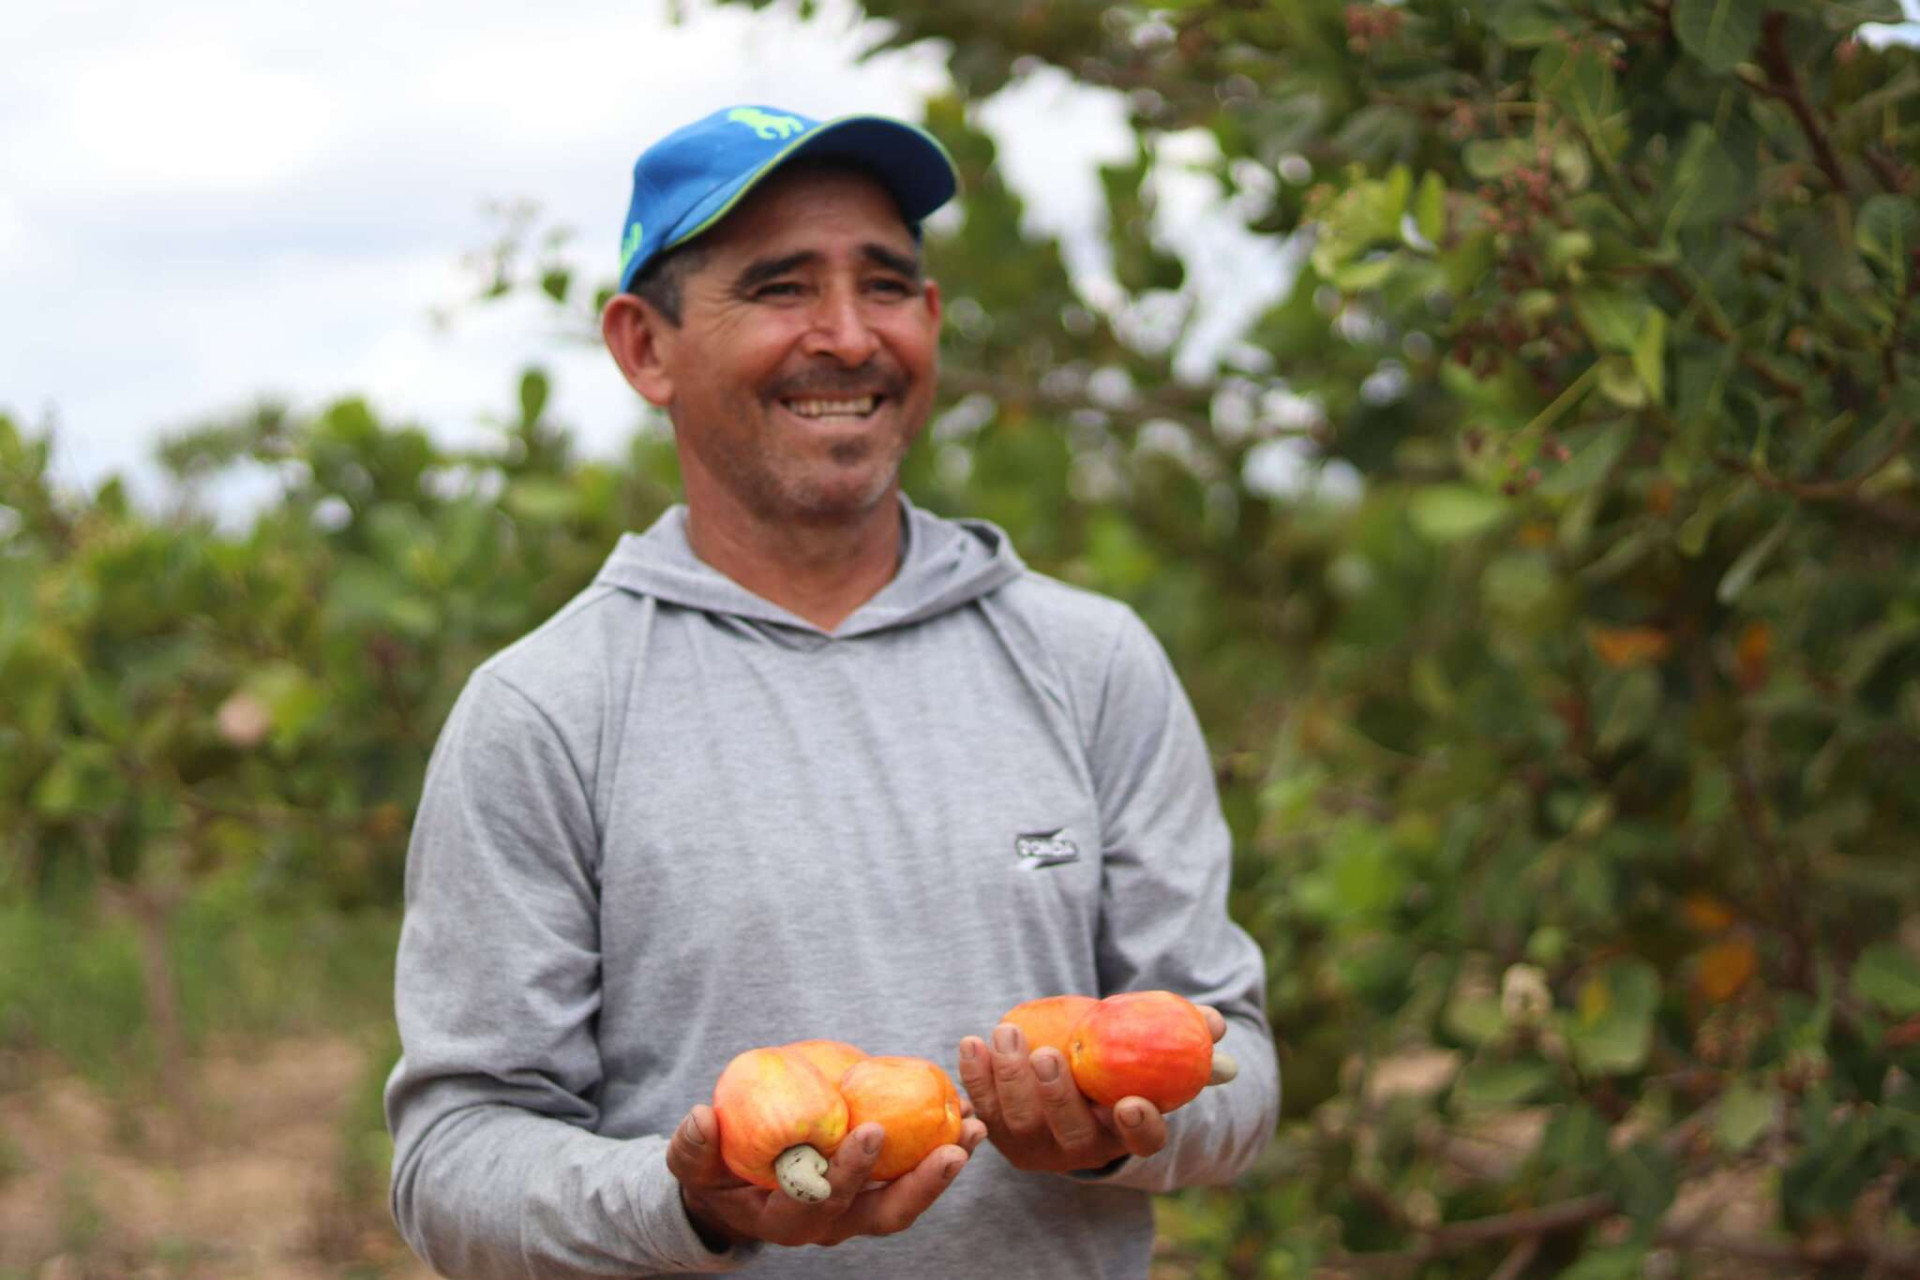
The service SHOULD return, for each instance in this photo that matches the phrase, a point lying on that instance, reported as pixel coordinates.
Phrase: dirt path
(93, 1188)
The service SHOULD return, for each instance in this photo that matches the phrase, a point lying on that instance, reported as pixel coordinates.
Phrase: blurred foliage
(1543, 565)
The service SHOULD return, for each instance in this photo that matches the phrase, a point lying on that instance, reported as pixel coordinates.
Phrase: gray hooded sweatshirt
(676, 822)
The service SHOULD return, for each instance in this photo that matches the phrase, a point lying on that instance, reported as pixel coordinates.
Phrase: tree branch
(1783, 83)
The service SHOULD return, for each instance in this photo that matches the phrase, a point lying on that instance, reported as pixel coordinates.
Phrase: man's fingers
(1013, 1082)
(973, 1132)
(693, 1154)
(893, 1208)
(846, 1174)
(1216, 1024)
(1140, 1126)
(976, 1076)
(1066, 1111)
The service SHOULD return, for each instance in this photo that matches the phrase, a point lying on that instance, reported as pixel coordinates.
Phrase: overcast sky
(208, 201)
(205, 202)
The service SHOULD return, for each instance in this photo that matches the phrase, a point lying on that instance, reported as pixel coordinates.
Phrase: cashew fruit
(780, 1121)
(913, 1100)
(1049, 1021)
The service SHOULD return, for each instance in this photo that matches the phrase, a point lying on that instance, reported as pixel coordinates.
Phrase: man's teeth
(833, 408)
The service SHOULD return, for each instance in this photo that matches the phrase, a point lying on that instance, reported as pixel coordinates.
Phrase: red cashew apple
(780, 1120)
(1146, 1044)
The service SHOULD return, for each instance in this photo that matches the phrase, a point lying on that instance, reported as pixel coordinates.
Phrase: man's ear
(634, 333)
(931, 291)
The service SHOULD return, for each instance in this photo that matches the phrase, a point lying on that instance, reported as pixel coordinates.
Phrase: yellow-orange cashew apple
(830, 1058)
(910, 1098)
(1048, 1022)
(780, 1120)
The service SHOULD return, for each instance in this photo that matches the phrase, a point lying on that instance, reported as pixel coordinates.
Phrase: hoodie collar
(943, 564)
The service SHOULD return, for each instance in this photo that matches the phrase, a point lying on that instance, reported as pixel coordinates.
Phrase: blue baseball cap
(693, 177)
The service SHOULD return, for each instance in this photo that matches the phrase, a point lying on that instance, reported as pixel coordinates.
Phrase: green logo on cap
(629, 247)
(767, 126)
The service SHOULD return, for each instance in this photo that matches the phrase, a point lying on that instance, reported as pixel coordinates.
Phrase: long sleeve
(497, 1169)
(1164, 922)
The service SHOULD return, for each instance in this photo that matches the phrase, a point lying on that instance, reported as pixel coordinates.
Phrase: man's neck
(820, 572)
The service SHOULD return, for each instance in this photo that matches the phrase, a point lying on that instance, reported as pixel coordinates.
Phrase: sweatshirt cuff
(1111, 1169)
(668, 1234)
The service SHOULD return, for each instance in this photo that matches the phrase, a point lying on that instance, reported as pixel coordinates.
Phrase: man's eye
(778, 289)
(893, 288)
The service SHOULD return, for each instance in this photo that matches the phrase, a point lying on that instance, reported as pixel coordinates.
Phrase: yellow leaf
(1707, 913)
(1751, 652)
(1629, 646)
(1594, 1001)
(1725, 967)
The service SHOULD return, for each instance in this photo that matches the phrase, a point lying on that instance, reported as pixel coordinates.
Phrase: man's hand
(1039, 1121)
(725, 1209)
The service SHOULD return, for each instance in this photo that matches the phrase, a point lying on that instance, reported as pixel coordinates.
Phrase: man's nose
(841, 330)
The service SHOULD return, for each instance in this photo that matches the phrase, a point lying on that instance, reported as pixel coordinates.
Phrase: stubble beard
(800, 491)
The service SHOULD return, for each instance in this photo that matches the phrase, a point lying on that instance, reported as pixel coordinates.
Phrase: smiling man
(804, 761)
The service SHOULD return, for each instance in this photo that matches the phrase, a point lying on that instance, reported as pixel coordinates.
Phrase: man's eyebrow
(758, 273)
(892, 260)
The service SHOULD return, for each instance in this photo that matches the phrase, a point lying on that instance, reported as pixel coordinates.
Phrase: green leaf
(1720, 33)
(1628, 704)
(1590, 461)
(1834, 1167)
(1611, 1028)
(1706, 186)
(1649, 354)
(1887, 975)
(83, 779)
(534, 389)
(1502, 1084)
(1474, 1019)
(1744, 1114)
(1867, 651)
(1488, 158)
(1887, 229)
(1644, 1179)
(542, 501)
(1742, 572)
(1575, 1141)
(1450, 513)
(294, 700)
(1430, 208)
(1612, 318)
(1845, 15)
(1526, 24)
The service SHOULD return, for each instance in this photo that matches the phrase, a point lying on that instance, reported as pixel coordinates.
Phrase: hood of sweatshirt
(944, 564)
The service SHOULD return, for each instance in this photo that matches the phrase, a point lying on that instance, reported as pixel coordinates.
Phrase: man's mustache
(835, 383)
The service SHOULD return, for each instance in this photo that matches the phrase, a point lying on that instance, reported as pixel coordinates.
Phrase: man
(803, 762)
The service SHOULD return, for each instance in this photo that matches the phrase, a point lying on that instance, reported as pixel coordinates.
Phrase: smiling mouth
(845, 407)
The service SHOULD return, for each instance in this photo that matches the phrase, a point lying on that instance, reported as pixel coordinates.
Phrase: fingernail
(874, 1140)
(1006, 1038)
(966, 1050)
(692, 1132)
(953, 1167)
(1131, 1117)
(1047, 1067)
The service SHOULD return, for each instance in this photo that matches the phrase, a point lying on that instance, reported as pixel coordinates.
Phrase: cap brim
(906, 158)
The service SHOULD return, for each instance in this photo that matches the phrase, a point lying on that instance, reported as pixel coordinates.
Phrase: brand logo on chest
(1045, 848)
